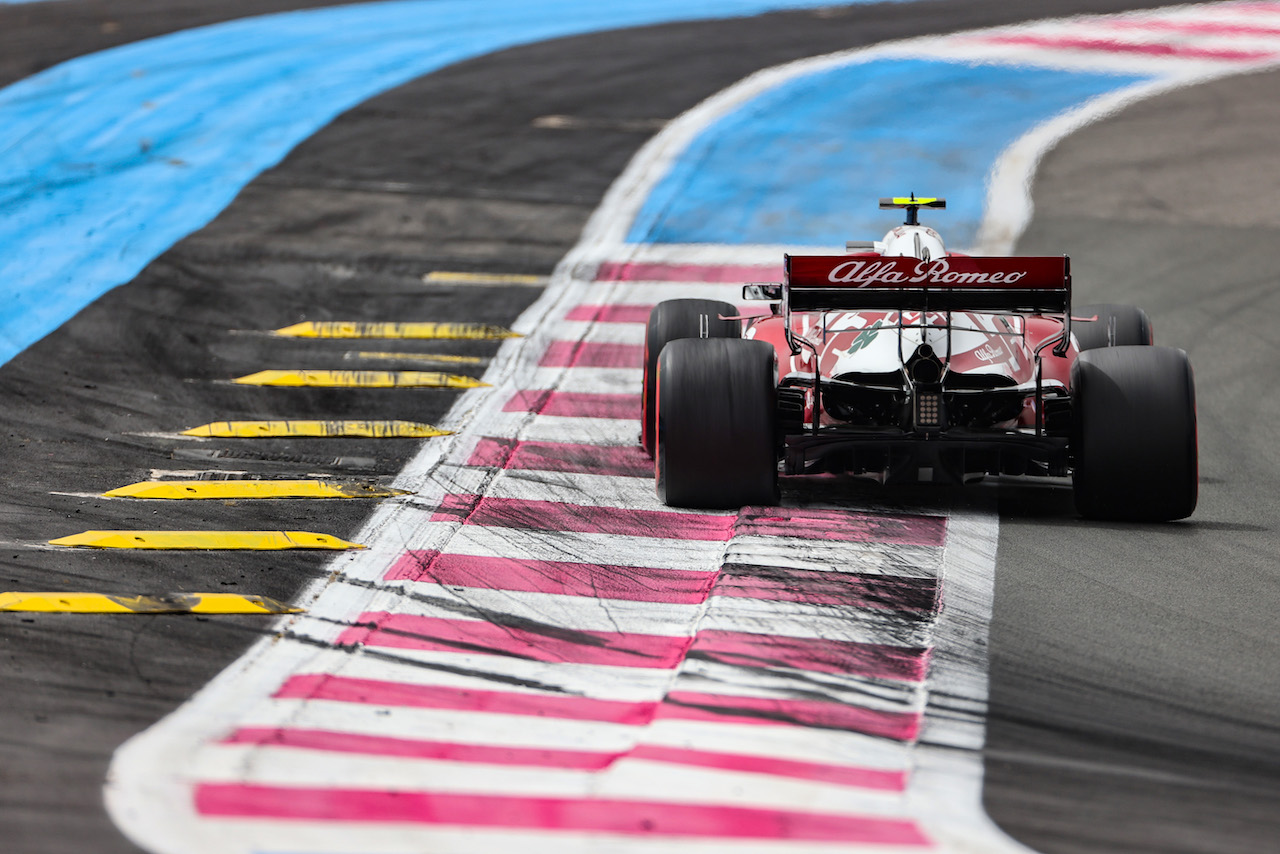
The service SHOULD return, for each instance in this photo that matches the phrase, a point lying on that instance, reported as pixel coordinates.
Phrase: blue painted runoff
(109, 159)
(806, 162)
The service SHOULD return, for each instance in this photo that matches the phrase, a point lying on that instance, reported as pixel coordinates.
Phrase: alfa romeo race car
(907, 363)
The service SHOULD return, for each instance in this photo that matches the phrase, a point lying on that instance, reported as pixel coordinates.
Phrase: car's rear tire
(1116, 326)
(716, 416)
(1133, 437)
(673, 320)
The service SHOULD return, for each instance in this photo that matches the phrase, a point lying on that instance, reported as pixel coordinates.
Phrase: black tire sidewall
(716, 423)
(1133, 441)
(673, 320)
(1116, 326)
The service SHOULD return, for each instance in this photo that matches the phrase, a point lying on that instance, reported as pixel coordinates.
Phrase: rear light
(928, 411)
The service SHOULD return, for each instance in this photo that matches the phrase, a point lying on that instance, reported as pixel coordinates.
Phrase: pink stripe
(783, 584)
(816, 654)
(673, 586)
(683, 705)
(579, 760)
(492, 453)
(636, 313)
(612, 271)
(616, 460)
(842, 526)
(592, 354)
(741, 649)
(593, 815)
(611, 313)
(376, 745)
(840, 775)
(828, 714)
(342, 689)
(554, 516)
(1146, 48)
(566, 646)
(574, 404)
(1212, 28)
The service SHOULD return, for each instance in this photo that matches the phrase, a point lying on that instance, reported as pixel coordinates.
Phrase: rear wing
(953, 283)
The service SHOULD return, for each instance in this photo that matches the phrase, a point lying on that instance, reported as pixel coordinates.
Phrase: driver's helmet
(914, 241)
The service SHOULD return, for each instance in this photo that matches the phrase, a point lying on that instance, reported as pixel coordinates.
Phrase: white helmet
(914, 241)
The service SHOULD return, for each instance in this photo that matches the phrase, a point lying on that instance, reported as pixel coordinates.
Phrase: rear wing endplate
(953, 283)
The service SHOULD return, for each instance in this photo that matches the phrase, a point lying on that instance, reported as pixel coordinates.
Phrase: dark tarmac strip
(34, 36)
(447, 173)
(1135, 669)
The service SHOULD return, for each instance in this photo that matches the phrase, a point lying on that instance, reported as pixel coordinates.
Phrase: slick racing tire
(717, 404)
(1133, 435)
(1116, 326)
(670, 321)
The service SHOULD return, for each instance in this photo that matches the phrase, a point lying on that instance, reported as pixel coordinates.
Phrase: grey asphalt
(1136, 669)
(449, 173)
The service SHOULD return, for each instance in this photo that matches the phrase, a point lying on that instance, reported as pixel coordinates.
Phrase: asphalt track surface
(1135, 668)
(1132, 669)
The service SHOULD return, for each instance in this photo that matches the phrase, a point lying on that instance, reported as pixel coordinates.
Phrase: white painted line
(570, 430)
(652, 293)
(798, 620)
(332, 837)
(604, 549)
(708, 677)
(590, 380)
(585, 490)
(595, 332)
(947, 786)
(582, 613)
(461, 726)
(1009, 205)
(823, 556)
(530, 731)
(797, 743)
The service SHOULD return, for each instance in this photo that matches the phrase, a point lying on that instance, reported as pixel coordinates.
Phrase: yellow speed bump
(359, 379)
(232, 489)
(250, 540)
(356, 329)
(324, 429)
(172, 603)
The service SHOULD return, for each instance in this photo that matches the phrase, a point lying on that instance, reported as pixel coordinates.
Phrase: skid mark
(558, 516)
(576, 404)
(564, 578)
(477, 636)
(615, 460)
(610, 313)
(578, 354)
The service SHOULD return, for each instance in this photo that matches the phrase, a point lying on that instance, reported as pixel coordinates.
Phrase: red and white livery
(908, 363)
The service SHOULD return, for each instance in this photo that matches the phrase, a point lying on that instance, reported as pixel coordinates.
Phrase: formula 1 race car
(907, 363)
